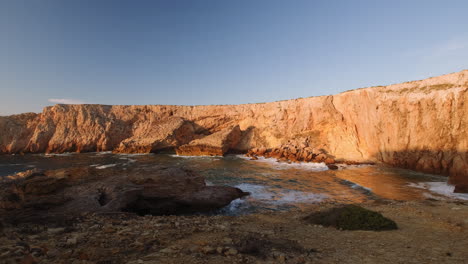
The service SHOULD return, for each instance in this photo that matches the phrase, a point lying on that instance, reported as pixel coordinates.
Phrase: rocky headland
(420, 125)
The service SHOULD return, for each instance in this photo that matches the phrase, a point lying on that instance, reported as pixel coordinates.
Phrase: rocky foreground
(43, 196)
(420, 125)
(428, 232)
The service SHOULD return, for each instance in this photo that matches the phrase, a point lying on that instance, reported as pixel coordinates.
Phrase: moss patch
(352, 217)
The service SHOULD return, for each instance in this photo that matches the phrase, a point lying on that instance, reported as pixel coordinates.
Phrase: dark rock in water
(74, 191)
(352, 217)
(332, 166)
(461, 188)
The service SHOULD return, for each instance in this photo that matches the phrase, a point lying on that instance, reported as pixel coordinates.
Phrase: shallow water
(273, 186)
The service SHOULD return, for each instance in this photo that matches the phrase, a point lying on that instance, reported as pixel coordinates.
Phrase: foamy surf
(133, 154)
(103, 153)
(356, 186)
(265, 195)
(312, 166)
(105, 166)
(440, 188)
(65, 154)
(195, 157)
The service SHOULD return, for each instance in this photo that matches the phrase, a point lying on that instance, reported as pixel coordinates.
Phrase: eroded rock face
(419, 125)
(37, 194)
(158, 135)
(216, 144)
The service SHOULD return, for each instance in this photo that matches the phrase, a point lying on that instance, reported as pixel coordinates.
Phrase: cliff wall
(422, 125)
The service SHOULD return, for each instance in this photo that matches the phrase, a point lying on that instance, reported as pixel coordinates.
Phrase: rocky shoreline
(303, 153)
(418, 125)
(428, 232)
(57, 195)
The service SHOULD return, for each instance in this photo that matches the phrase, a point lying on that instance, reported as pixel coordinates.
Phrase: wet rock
(231, 252)
(167, 251)
(461, 188)
(208, 250)
(72, 241)
(28, 259)
(74, 191)
(332, 166)
(55, 231)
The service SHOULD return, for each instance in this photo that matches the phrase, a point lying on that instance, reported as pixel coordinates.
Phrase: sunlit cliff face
(420, 125)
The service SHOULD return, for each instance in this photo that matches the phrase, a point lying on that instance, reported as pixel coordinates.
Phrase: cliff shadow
(453, 164)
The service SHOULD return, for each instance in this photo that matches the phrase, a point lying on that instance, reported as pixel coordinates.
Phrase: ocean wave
(11, 164)
(103, 153)
(311, 166)
(106, 166)
(440, 188)
(195, 157)
(265, 195)
(65, 154)
(134, 154)
(129, 160)
(356, 186)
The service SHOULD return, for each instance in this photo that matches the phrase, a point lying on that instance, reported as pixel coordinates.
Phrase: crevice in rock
(103, 197)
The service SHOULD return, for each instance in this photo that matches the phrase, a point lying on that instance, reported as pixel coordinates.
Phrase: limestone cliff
(420, 125)
(216, 144)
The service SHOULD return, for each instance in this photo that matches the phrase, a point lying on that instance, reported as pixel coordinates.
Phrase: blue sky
(219, 52)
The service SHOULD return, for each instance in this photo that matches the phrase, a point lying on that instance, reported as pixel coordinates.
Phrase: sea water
(273, 185)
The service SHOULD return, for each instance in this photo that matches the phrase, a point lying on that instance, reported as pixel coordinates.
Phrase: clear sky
(219, 52)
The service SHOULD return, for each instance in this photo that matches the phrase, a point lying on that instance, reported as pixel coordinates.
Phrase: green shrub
(352, 217)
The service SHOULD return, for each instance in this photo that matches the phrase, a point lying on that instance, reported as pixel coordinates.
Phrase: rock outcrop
(36, 195)
(420, 125)
(216, 144)
(154, 136)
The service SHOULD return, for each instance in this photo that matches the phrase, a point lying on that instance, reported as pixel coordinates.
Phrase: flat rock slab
(35, 195)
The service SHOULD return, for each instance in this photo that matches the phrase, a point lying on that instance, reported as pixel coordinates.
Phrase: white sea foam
(129, 160)
(105, 166)
(65, 154)
(134, 154)
(257, 192)
(208, 183)
(312, 166)
(195, 157)
(11, 164)
(357, 186)
(103, 152)
(300, 197)
(351, 166)
(235, 205)
(441, 188)
(263, 194)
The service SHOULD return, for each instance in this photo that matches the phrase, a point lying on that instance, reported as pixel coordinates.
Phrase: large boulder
(71, 192)
(216, 144)
(158, 135)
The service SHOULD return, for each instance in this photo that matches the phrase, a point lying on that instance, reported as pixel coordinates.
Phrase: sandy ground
(429, 232)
